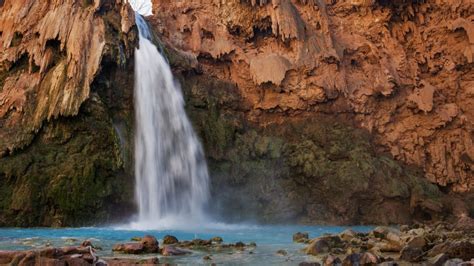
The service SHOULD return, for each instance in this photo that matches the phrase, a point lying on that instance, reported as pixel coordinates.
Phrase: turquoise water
(269, 239)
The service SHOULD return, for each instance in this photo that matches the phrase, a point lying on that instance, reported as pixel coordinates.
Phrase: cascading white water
(170, 168)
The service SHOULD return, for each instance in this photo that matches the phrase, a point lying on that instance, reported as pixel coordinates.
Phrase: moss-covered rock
(318, 169)
(72, 174)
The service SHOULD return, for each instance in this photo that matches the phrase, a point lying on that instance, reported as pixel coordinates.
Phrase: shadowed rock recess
(314, 111)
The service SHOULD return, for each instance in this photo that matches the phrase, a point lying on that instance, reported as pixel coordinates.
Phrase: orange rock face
(50, 54)
(402, 70)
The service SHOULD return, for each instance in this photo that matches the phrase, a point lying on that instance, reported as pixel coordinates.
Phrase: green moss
(67, 176)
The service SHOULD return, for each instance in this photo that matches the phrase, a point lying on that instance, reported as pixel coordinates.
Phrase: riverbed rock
(129, 248)
(411, 254)
(170, 240)
(368, 258)
(351, 259)
(419, 242)
(300, 237)
(130, 261)
(309, 264)
(150, 244)
(282, 252)
(50, 256)
(173, 251)
(217, 239)
(331, 260)
(438, 260)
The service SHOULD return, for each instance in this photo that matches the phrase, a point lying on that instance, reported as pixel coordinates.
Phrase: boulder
(351, 259)
(453, 262)
(411, 254)
(150, 244)
(347, 235)
(282, 252)
(170, 240)
(309, 264)
(438, 260)
(130, 261)
(382, 231)
(217, 239)
(418, 242)
(461, 249)
(129, 248)
(331, 260)
(300, 237)
(173, 251)
(368, 258)
(317, 247)
(454, 249)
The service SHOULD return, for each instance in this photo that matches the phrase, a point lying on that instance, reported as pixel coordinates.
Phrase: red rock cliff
(403, 70)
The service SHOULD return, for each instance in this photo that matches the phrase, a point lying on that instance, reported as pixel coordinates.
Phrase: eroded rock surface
(66, 110)
(402, 70)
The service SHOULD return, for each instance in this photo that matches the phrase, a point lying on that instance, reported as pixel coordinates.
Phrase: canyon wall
(294, 99)
(316, 111)
(66, 104)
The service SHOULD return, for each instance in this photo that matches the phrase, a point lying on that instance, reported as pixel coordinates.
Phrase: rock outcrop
(402, 70)
(66, 110)
(286, 94)
(311, 111)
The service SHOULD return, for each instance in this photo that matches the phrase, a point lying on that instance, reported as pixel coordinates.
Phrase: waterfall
(170, 168)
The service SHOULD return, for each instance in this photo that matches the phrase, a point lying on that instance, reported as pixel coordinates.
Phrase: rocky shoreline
(437, 244)
(418, 244)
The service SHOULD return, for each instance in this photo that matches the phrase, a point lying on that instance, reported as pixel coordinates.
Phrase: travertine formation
(51, 53)
(66, 105)
(403, 70)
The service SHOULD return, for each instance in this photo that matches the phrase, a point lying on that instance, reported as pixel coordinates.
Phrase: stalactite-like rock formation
(65, 111)
(51, 53)
(401, 69)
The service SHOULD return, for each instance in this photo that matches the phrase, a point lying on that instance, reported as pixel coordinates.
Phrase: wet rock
(252, 244)
(383, 231)
(386, 263)
(136, 238)
(129, 248)
(351, 259)
(348, 235)
(404, 228)
(150, 244)
(317, 247)
(439, 260)
(368, 258)
(87, 243)
(417, 242)
(453, 262)
(50, 256)
(170, 240)
(239, 245)
(207, 257)
(461, 249)
(282, 252)
(309, 264)
(411, 254)
(331, 260)
(173, 251)
(130, 261)
(300, 237)
(217, 239)
(324, 244)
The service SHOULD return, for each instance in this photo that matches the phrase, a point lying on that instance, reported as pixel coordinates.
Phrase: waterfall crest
(170, 168)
